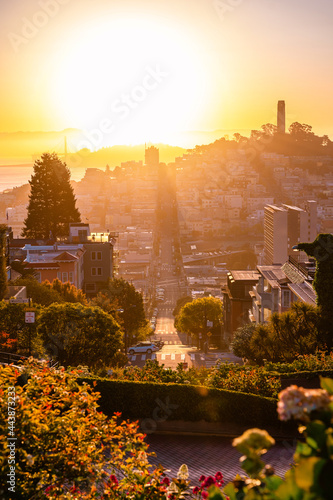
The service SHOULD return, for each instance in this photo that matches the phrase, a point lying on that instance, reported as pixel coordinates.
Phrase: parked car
(147, 347)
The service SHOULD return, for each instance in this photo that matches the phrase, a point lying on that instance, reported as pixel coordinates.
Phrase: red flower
(208, 482)
(166, 481)
(113, 479)
(204, 494)
(202, 478)
(196, 490)
(218, 476)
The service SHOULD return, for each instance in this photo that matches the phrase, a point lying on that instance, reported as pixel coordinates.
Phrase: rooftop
(246, 275)
(304, 292)
(273, 274)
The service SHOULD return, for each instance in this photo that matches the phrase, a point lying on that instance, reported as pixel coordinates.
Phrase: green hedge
(304, 374)
(307, 379)
(138, 400)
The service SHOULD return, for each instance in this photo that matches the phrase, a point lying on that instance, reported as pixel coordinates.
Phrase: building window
(38, 276)
(82, 234)
(96, 255)
(285, 298)
(71, 277)
(90, 287)
(96, 271)
(64, 277)
(59, 276)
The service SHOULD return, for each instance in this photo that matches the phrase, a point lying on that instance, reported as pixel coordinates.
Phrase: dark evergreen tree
(3, 271)
(52, 204)
(322, 250)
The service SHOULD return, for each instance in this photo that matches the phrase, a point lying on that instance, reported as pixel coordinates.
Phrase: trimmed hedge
(307, 379)
(305, 374)
(139, 400)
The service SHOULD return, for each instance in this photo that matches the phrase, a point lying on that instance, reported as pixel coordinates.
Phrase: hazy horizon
(138, 71)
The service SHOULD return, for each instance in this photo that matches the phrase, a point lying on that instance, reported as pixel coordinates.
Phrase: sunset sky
(146, 70)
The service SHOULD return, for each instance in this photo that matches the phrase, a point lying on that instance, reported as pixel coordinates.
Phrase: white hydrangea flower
(297, 402)
(183, 472)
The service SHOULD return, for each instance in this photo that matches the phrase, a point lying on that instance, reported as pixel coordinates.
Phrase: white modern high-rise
(285, 227)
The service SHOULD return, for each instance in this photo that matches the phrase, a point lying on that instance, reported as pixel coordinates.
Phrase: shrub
(251, 380)
(308, 362)
(65, 447)
(184, 402)
(75, 334)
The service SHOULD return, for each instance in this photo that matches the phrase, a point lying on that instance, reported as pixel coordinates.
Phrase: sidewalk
(209, 454)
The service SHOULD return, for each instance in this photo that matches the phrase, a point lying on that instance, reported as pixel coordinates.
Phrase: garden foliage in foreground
(67, 449)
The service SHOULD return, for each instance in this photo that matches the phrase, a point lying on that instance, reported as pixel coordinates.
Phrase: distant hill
(115, 155)
(25, 147)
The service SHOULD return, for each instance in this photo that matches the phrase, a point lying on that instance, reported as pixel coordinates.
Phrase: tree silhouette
(51, 201)
(322, 250)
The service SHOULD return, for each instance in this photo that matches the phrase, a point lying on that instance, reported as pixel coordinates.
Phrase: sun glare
(144, 82)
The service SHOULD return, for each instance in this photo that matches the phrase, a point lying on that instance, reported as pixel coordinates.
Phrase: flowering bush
(253, 380)
(152, 371)
(207, 483)
(65, 448)
(321, 360)
(224, 376)
(298, 403)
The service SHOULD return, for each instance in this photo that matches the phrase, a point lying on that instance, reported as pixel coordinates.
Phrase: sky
(131, 71)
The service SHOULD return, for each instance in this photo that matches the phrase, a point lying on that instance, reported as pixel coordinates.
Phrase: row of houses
(84, 259)
(254, 295)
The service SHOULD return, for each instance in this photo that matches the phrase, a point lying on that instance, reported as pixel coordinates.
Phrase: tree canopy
(47, 293)
(283, 338)
(195, 317)
(52, 204)
(130, 305)
(74, 334)
(322, 250)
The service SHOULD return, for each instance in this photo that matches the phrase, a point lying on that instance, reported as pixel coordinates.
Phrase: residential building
(279, 287)
(85, 259)
(265, 294)
(285, 227)
(236, 300)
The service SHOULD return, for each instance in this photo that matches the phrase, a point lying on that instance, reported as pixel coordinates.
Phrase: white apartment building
(285, 227)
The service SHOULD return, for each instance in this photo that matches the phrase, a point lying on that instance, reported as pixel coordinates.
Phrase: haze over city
(166, 249)
(143, 71)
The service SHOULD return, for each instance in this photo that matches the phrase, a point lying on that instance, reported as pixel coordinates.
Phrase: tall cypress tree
(52, 204)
